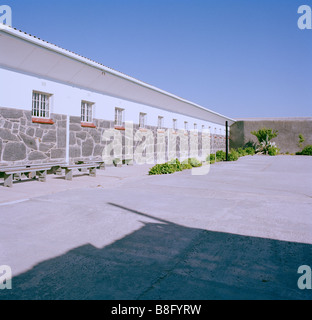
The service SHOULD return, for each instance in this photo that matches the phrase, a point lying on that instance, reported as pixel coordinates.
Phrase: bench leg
(68, 174)
(92, 172)
(42, 176)
(58, 171)
(102, 166)
(8, 180)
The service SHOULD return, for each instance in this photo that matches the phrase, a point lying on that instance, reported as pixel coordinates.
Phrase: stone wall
(24, 142)
(288, 132)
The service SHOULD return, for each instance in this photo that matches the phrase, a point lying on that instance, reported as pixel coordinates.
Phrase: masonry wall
(24, 142)
(288, 132)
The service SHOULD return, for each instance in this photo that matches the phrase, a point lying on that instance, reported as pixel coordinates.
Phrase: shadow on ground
(164, 260)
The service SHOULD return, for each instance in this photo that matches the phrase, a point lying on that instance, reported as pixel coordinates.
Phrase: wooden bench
(69, 169)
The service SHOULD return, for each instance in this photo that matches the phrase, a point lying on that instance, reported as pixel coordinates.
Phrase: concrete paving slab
(240, 232)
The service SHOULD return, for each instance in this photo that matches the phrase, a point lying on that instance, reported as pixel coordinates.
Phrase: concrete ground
(240, 232)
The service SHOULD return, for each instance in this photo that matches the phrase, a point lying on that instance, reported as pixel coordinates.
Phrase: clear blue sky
(241, 58)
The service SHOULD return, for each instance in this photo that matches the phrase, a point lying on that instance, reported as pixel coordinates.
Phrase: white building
(55, 105)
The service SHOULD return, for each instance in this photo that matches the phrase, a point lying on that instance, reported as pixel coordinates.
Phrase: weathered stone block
(75, 127)
(30, 132)
(29, 141)
(98, 150)
(11, 113)
(72, 138)
(36, 155)
(87, 148)
(5, 134)
(75, 120)
(74, 152)
(58, 154)
(50, 136)
(14, 151)
(62, 124)
(61, 138)
(27, 115)
(39, 133)
(81, 135)
(45, 147)
(8, 125)
(96, 135)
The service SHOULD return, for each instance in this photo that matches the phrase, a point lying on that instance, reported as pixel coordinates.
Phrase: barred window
(160, 122)
(87, 111)
(142, 120)
(174, 124)
(119, 117)
(41, 105)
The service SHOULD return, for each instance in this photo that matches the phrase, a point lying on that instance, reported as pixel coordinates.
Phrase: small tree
(301, 140)
(265, 134)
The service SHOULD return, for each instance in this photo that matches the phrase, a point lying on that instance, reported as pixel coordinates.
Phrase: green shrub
(164, 168)
(301, 140)
(194, 162)
(174, 166)
(211, 158)
(306, 151)
(233, 155)
(250, 151)
(273, 150)
(220, 156)
(265, 134)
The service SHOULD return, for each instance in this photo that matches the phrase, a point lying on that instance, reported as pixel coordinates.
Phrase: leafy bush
(164, 168)
(194, 162)
(233, 155)
(220, 156)
(306, 151)
(250, 151)
(273, 150)
(300, 140)
(265, 134)
(211, 158)
(174, 166)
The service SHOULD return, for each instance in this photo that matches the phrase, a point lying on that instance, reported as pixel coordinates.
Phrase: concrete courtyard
(240, 232)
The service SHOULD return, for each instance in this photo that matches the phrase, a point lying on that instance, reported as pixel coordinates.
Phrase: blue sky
(241, 58)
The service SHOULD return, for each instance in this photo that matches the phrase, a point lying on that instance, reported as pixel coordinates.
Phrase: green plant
(266, 147)
(250, 151)
(211, 158)
(194, 162)
(265, 134)
(273, 150)
(233, 155)
(301, 140)
(306, 151)
(164, 168)
(220, 156)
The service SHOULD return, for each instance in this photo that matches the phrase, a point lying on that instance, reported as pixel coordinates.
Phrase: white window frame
(185, 125)
(119, 117)
(142, 120)
(87, 110)
(160, 124)
(195, 126)
(174, 124)
(41, 105)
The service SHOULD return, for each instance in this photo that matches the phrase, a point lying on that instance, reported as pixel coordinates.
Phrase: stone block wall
(25, 142)
(22, 141)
